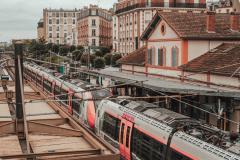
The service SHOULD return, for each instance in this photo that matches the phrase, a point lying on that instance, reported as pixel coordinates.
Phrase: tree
(105, 50)
(55, 48)
(84, 59)
(99, 54)
(99, 63)
(115, 57)
(80, 47)
(77, 54)
(108, 58)
(63, 50)
(72, 48)
(49, 46)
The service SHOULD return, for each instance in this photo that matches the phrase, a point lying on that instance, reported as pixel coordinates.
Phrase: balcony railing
(161, 4)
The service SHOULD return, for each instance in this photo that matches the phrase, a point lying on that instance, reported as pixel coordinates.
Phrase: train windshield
(99, 95)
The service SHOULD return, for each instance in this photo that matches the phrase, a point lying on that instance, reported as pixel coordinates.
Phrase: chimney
(211, 21)
(234, 21)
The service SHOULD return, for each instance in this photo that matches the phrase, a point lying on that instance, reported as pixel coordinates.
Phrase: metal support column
(21, 123)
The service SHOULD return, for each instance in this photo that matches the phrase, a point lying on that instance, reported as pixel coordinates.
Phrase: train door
(125, 139)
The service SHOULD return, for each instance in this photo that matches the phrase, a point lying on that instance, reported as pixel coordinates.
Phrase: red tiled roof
(135, 58)
(223, 60)
(191, 25)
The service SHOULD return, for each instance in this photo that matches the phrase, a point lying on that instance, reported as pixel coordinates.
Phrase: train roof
(191, 127)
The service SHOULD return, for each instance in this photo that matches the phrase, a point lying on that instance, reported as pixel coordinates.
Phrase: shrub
(108, 59)
(99, 63)
(115, 58)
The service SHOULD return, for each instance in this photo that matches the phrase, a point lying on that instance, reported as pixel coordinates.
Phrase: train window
(122, 133)
(111, 126)
(76, 104)
(178, 156)
(145, 147)
(57, 91)
(128, 136)
(47, 85)
(64, 96)
(39, 80)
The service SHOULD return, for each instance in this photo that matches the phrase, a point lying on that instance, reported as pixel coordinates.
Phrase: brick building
(94, 27)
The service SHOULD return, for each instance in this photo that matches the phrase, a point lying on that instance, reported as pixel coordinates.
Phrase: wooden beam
(53, 122)
(52, 130)
(80, 153)
(7, 128)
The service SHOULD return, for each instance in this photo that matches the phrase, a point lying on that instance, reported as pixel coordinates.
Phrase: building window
(175, 56)
(74, 21)
(58, 21)
(93, 32)
(58, 28)
(93, 22)
(65, 14)
(151, 56)
(161, 56)
(57, 14)
(94, 42)
(65, 35)
(65, 21)
(50, 21)
(163, 29)
(50, 28)
(50, 35)
(57, 35)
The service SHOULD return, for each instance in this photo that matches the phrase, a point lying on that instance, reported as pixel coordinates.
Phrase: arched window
(161, 56)
(175, 56)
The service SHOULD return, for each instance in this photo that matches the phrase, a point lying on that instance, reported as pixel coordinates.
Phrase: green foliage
(77, 54)
(55, 48)
(49, 46)
(115, 57)
(63, 50)
(80, 47)
(72, 48)
(99, 63)
(108, 58)
(99, 54)
(104, 50)
(38, 48)
(84, 59)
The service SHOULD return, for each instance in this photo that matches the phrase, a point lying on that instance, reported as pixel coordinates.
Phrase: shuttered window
(174, 57)
(161, 57)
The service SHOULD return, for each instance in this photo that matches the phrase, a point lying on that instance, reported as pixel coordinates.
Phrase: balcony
(160, 4)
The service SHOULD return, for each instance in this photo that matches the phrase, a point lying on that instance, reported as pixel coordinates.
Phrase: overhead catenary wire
(106, 98)
(90, 90)
(188, 104)
(86, 70)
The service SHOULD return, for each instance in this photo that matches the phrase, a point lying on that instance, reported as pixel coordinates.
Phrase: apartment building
(133, 16)
(60, 26)
(95, 26)
(40, 30)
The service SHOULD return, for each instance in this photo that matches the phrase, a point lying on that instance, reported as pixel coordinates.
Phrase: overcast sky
(18, 18)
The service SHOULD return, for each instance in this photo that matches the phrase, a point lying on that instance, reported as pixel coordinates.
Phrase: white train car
(144, 131)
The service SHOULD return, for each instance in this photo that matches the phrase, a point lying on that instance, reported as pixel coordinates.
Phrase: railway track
(51, 133)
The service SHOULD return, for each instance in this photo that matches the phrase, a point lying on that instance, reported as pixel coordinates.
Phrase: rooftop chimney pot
(234, 21)
(211, 21)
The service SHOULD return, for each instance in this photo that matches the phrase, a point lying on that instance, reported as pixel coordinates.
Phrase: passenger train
(140, 130)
